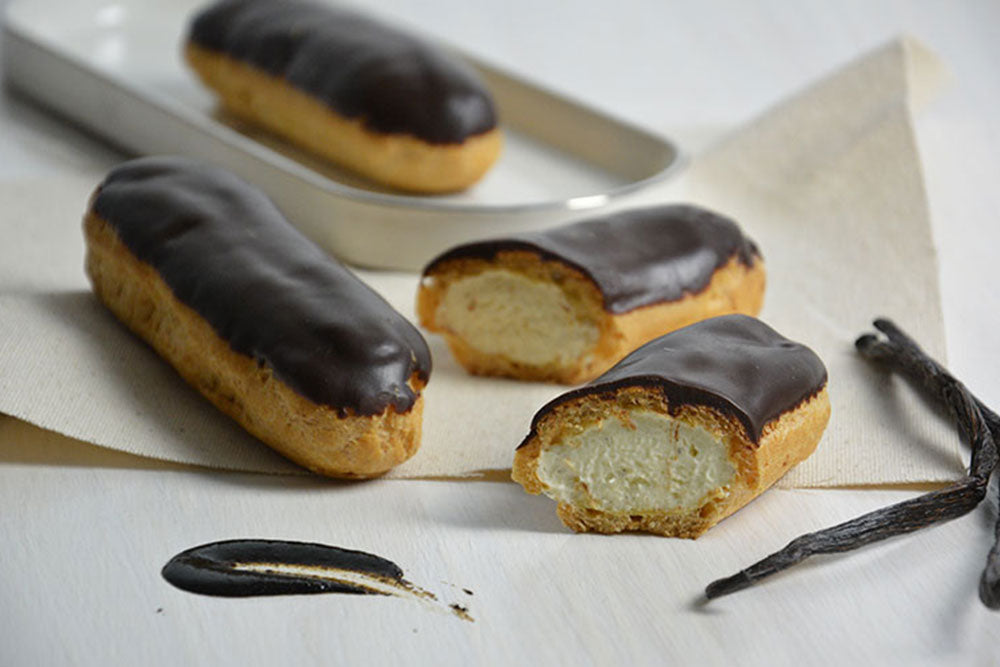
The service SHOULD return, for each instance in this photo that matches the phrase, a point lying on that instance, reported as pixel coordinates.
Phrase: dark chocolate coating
(636, 258)
(359, 68)
(734, 363)
(225, 250)
(209, 570)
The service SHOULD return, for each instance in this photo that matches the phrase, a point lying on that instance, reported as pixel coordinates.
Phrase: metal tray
(114, 67)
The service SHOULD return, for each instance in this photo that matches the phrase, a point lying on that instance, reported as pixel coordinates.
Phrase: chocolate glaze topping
(358, 67)
(636, 258)
(212, 569)
(225, 250)
(735, 364)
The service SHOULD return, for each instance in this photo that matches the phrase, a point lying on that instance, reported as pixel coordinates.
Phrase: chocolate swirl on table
(227, 252)
(636, 258)
(735, 364)
(246, 568)
(251, 568)
(360, 68)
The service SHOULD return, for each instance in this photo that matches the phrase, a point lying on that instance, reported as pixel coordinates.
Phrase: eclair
(364, 95)
(275, 333)
(681, 433)
(565, 304)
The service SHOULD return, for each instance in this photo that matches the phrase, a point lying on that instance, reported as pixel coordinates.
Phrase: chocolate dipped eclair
(366, 96)
(565, 304)
(681, 433)
(271, 330)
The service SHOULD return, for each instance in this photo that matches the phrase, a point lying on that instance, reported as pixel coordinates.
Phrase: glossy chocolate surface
(636, 258)
(360, 68)
(225, 250)
(214, 569)
(735, 364)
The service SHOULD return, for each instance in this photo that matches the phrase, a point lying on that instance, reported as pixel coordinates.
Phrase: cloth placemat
(828, 182)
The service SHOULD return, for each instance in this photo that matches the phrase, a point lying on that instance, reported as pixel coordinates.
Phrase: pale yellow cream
(499, 312)
(653, 463)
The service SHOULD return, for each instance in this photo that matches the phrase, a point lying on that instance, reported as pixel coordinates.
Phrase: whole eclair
(359, 93)
(275, 333)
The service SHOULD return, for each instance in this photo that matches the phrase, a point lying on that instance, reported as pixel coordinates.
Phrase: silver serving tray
(114, 67)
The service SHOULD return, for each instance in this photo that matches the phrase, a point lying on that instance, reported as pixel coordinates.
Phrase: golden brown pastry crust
(310, 434)
(397, 160)
(734, 288)
(785, 442)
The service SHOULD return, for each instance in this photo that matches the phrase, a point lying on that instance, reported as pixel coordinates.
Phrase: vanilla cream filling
(499, 312)
(650, 463)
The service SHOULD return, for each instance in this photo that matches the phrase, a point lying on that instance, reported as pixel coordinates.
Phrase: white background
(83, 543)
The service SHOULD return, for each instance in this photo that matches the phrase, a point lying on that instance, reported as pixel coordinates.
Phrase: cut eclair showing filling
(683, 432)
(566, 304)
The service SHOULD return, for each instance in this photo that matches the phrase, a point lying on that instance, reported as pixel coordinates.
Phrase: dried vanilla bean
(989, 582)
(872, 348)
(902, 354)
(905, 517)
(899, 344)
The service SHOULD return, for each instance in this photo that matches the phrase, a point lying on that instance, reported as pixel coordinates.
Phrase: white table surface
(84, 537)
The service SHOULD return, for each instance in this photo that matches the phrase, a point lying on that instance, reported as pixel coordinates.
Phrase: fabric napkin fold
(828, 183)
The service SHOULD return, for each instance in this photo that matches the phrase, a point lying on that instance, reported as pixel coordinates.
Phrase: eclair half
(565, 304)
(681, 433)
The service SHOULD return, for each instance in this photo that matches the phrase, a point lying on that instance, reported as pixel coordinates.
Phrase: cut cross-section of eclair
(350, 89)
(275, 333)
(682, 433)
(565, 304)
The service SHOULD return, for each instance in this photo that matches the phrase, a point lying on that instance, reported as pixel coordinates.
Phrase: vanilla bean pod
(989, 582)
(905, 517)
(902, 354)
(900, 346)
(951, 502)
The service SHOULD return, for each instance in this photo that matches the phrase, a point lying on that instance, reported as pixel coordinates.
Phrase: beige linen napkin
(828, 183)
